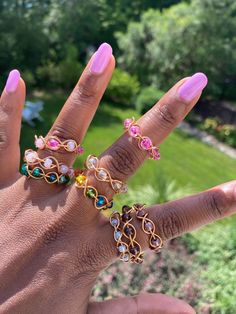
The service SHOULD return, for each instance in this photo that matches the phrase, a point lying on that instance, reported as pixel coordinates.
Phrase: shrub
(147, 98)
(29, 78)
(123, 88)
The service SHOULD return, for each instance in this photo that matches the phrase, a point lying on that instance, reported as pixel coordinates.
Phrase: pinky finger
(11, 105)
(148, 303)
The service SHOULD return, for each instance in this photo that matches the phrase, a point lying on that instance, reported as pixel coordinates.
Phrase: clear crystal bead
(92, 162)
(102, 175)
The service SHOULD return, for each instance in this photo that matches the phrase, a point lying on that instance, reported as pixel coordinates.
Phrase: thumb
(145, 303)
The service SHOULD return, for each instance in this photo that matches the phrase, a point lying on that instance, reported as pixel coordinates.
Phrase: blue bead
(52, 177)
(101, 201)
(24, 170)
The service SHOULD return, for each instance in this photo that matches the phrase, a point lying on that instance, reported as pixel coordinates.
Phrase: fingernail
(101, 58)
(12, 81)
(193, 86)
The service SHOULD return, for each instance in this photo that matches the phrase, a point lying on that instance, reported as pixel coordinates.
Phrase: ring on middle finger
(102, 174)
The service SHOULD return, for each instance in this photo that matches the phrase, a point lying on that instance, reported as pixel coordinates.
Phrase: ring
(39, 173)
(128, 252)
(144, 142)
(48, 163)
(148, 226)
(100, 201)
(102, 174)
(54, 143)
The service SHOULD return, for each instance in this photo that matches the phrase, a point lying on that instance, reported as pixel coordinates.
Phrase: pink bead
(134, 130)
(146, 143)
(80, 150)
(155, 154)
(39, 143)
(127, 123)
(53, 144)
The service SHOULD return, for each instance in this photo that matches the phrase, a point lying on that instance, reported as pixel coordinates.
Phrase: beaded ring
(129, 232)
(148, 226)
(38, 173)
(122, 247)
(102, 174)
(48, 163)
(144, 142)
(54, 143)
(100, 201)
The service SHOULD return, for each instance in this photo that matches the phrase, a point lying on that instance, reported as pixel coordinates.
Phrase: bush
(164, 43)
(64, 75)
(147, 98)
(123, 88)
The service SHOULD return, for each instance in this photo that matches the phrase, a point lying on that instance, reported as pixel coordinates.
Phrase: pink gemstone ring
(144, 142)
(54, 143)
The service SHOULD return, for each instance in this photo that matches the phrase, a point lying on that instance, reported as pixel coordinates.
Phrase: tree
(181, 40)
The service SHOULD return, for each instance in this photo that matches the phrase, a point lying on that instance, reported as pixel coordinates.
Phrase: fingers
(124, 157)
(78, 111)
(144, 304)
(11, 105)
(175, 218)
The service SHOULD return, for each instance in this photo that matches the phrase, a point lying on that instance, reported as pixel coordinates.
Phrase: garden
(155, 44)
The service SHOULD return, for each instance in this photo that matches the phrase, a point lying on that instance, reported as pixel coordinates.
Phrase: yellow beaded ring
(100, 201)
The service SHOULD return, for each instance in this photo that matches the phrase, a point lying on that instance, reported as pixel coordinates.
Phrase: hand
(53, 242)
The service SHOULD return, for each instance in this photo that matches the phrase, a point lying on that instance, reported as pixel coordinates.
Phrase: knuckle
(4, 142)
(167, 115)
(216, 203)
(64, 131)
(52, 232)
(123, 162)
(171, 224)
(86, 91)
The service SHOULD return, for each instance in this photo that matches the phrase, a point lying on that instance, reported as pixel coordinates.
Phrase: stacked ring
(100, 201)
(128, 248)
(101, 174)
(148, 227)
(144, 142)
(48, 168)
(129, 231)
(38, 172)
(54, 143)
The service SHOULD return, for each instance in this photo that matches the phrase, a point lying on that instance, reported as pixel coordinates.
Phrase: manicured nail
(12, 81)
(101, 58)
(193, 86)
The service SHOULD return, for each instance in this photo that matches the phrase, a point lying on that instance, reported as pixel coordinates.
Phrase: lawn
(191, 164)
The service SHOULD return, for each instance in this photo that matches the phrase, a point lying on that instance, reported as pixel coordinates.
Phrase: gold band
(102, 174)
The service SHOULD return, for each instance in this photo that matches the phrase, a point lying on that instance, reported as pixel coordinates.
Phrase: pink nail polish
(101, 58)
(12, 81)
(193, 86)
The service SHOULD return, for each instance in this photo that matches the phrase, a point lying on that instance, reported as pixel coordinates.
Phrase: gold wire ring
(148, 227)
(100, 201)
(130, 233)
(54, 143)
(32, 158)
(38, 172)
(102, 174)
(122, 247)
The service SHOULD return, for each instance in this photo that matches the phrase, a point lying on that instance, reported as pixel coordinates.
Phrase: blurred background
(155, 43)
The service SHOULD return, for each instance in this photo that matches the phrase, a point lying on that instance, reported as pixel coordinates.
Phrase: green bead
(37, 172)
(91, 193)
(24, 170)
(64, 179)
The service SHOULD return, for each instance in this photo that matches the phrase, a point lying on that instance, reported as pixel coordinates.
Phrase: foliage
(224, 132)
(147, 98)
(181, 40)
(162, 191)
(123, 88)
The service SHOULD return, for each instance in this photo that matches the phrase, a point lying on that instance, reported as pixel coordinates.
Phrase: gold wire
(109, 179)
(62, 144)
